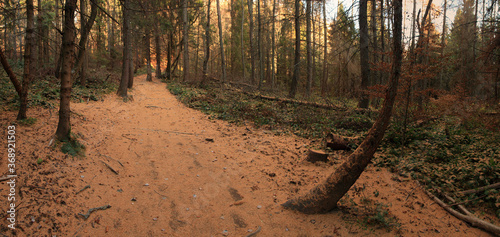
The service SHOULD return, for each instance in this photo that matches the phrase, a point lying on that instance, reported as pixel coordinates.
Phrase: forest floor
(180, 173)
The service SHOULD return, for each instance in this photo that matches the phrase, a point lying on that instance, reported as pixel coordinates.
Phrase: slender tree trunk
(375, 75)
(221, 43)
(186, 40)
(122, 90)
(273, 48)
(86, 26)
(414, 21)
(296, 66)
(169, 54)
(68, 48)
(131, 68)
(325, 196)
(207, 43)
(382, 40)
(259, 45)
(475, 32)
(157, 48)
(81, 50)
(443, 37)
(242, 39)
(308, 48)
(250, 32)
(325, 52)
(364, 53)
(149, 76)
(28, 60)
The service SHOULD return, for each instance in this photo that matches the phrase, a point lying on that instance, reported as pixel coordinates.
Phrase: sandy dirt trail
(183, 174)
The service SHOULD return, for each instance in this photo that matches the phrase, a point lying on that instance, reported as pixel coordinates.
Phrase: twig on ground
(254, 233)
(165, 131)
(7, 177)
(109, 167)
(154, 106)
(81, 190)
(109, 157)
(86, 216)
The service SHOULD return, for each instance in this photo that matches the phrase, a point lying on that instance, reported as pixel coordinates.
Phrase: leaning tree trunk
(28, 60)
(364, 54)
(122, 89)
(68, 48)
(325, 196)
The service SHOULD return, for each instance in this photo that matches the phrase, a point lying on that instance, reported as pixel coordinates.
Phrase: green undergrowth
(281, 117)
(449, 153)
(73, 147)
(45, 91)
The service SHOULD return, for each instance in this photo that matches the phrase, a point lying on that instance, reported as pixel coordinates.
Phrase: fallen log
(337, 142)
(316, 155)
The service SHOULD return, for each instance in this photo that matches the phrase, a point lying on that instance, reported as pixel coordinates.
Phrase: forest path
(176, 181)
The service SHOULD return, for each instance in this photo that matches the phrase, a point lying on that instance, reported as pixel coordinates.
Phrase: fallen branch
(477, 190)
(474, 221)
(111, 168)
(81, 190)
(86, 216)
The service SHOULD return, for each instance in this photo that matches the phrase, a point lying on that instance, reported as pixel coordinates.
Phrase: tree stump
(315, 155)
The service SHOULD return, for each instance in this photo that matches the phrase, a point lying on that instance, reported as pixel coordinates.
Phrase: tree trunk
(325, 196)
(375, 74)
(28, 60)
(10, 73)
(185, 40)
(169, 55)
(250, 32)
(68, 48)
(296, 67)
(157, 49)
(149, 76)
(273, 48)
(86, 26)
(308, 48)
(221, 43)
(207, 43)
(259, 44)
(122, 89)
(242, 39)
(364, 54)
(325, 52)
